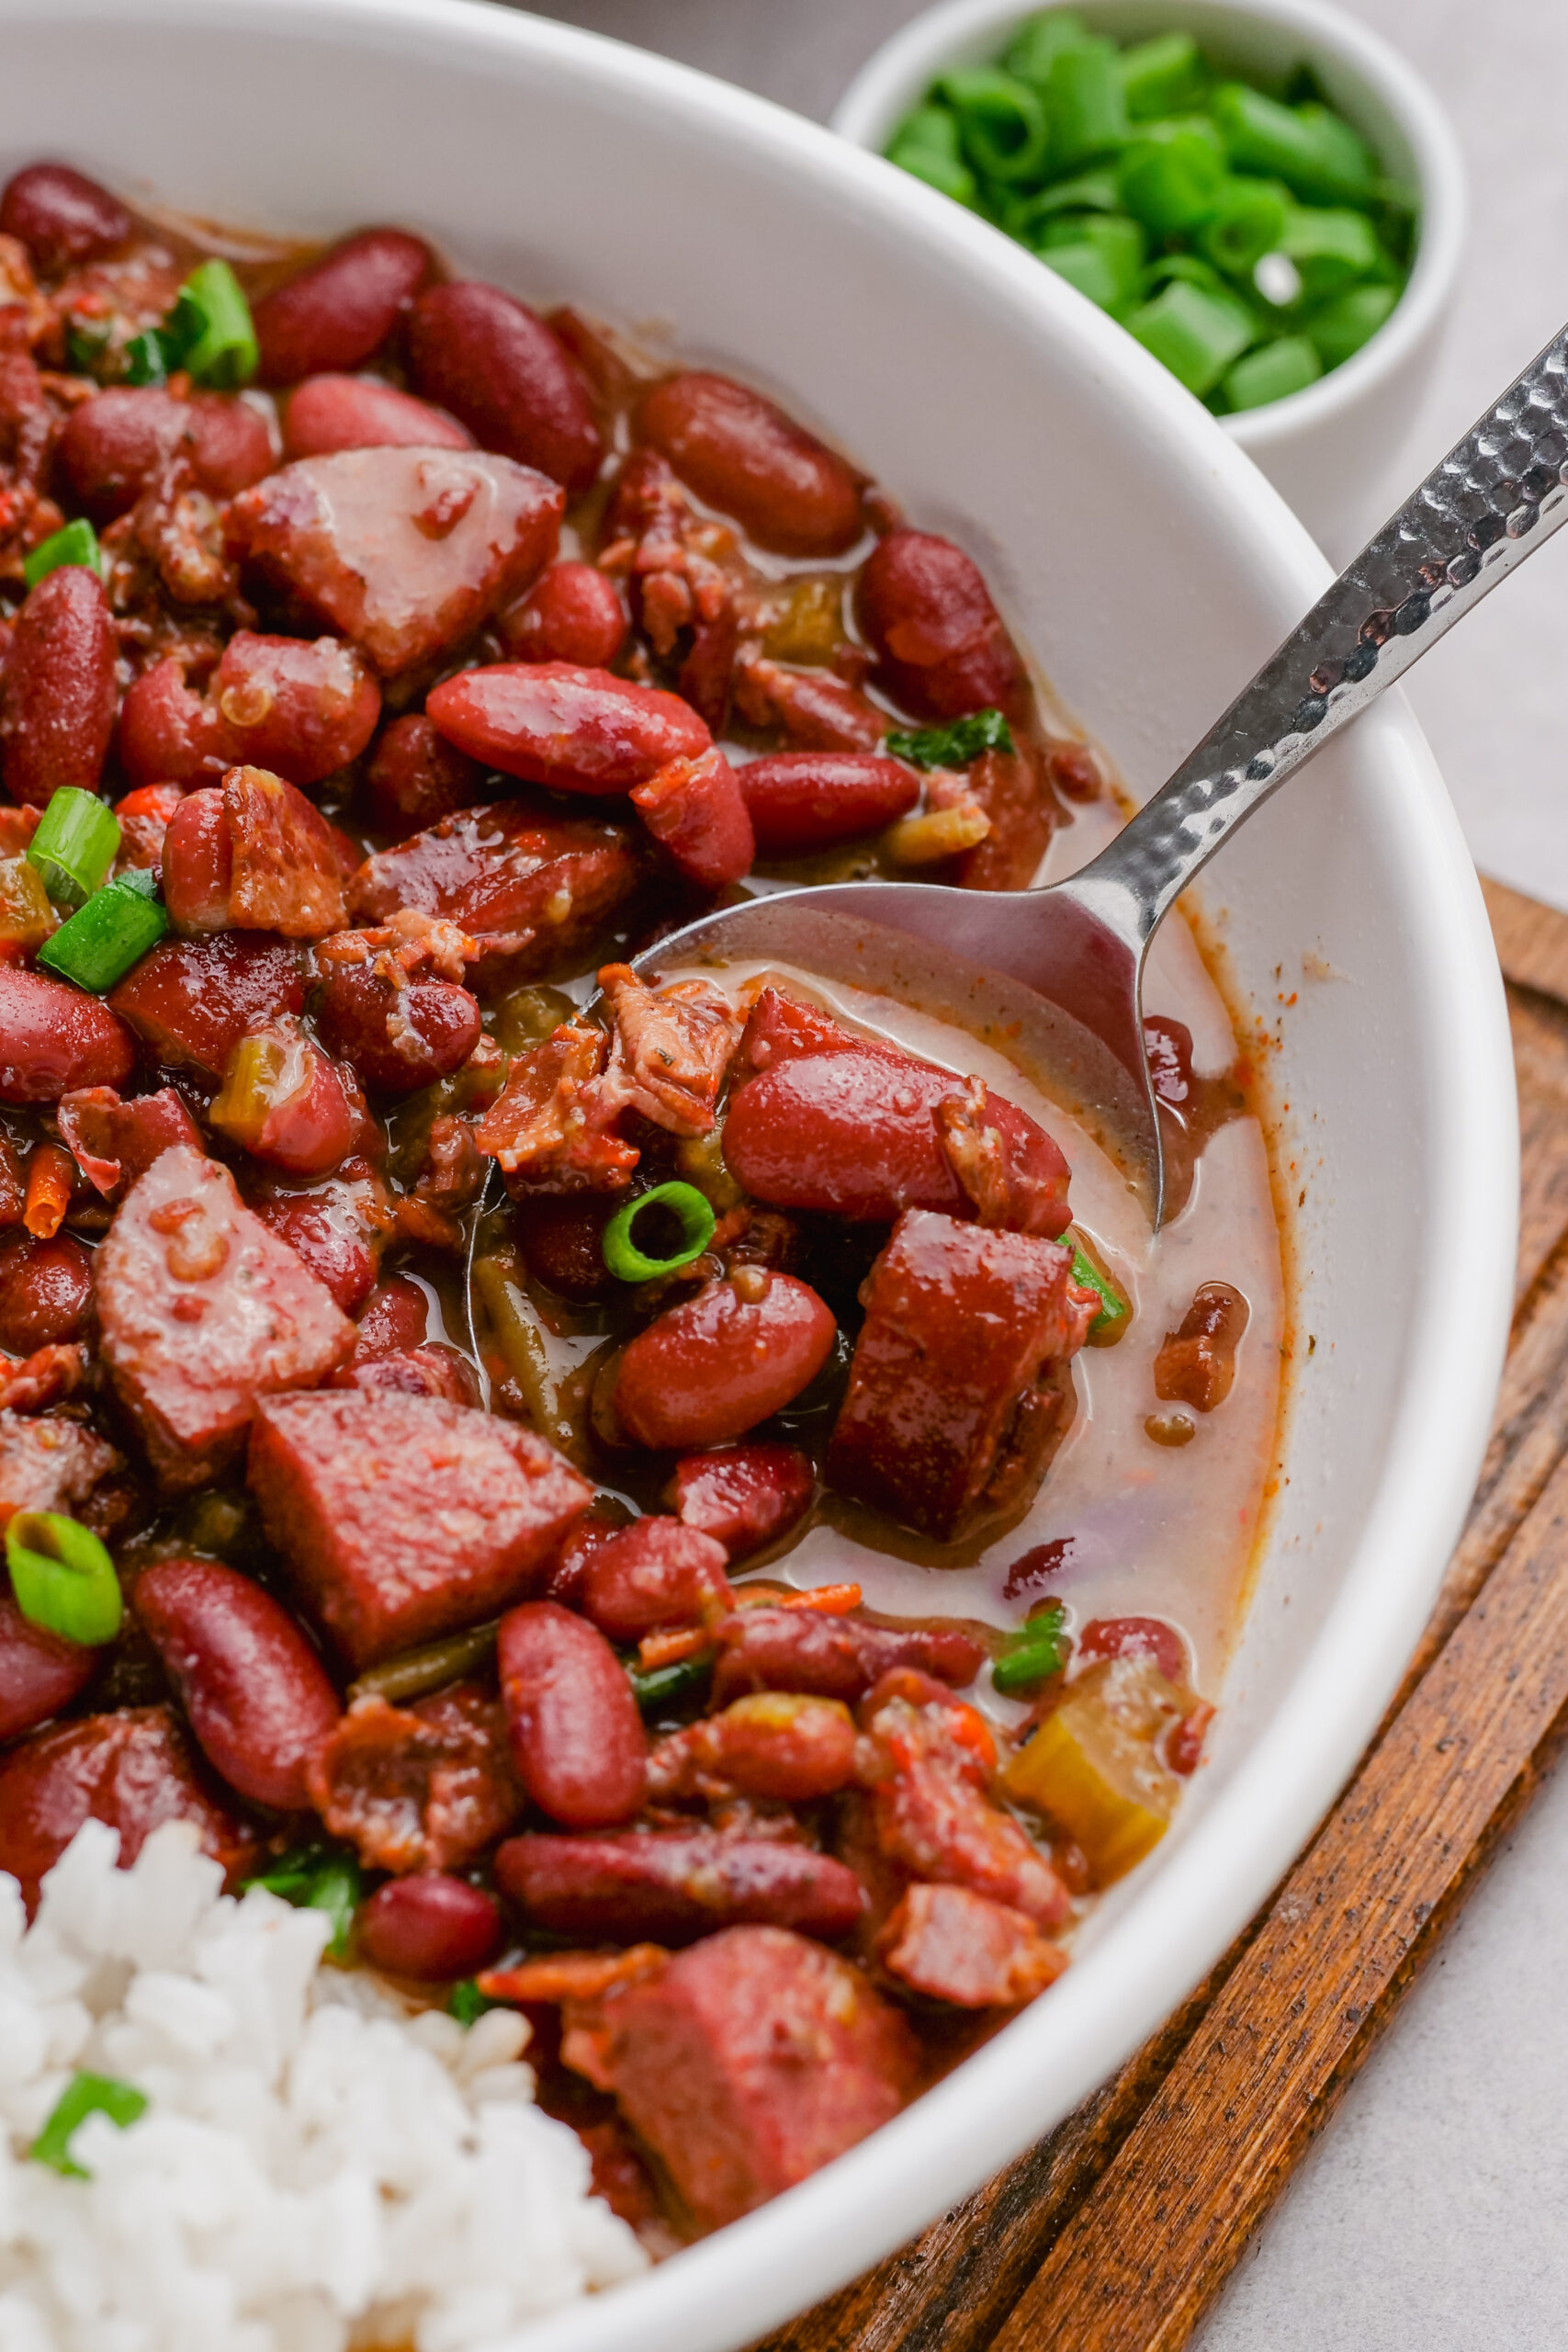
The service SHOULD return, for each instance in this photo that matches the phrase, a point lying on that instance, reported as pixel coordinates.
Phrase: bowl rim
(886, 84)
(730, 2287)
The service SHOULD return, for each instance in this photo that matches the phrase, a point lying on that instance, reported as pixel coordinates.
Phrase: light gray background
(1433, 2215)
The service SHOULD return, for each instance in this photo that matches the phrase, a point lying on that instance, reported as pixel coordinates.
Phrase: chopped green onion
(85, 2094)
(949, 747)
(62, 1579)
(468, 2004)
(1196, 335)
(927, 145)
(1000, 124)
(1342, 326)
(1114, 1308)
(1272, 373)
(1161, 76)
(1331, 248)
(98, 945)
(1103, 257)
(1185, 269)
(1247, 222)
(1171, 184)
(86, 344)
(657, 1687)
(1319, 157)
(1036, 1651)
(209, 330)
(146, 359)
(319, 1878)
(1038, 43)
(76, 843)
(691, 1211)
(78, 543)
(1090, 192)
(1085, 110)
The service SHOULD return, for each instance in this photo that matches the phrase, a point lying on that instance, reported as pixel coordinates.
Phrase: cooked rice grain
(316, 2169)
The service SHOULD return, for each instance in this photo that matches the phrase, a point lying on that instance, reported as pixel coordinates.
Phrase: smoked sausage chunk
(203, 1311)
(751, 2061)
(402, 1516)
(669, 1886)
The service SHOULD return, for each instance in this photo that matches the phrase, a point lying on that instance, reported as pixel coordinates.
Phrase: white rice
(315, 2168)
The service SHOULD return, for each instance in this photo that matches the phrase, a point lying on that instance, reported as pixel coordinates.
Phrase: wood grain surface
(1116, 2233)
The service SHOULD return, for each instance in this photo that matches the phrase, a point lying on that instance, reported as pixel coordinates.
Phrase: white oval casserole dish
(1149, 567)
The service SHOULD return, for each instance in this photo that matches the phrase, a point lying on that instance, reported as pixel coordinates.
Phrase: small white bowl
(1330, 448)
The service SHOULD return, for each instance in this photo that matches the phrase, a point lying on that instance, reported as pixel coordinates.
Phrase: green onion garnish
(85, 2094)
(210, 332)
(667, 1686)
(951, 747)
(465, 2002)
(1196, 333)
(1171, 184)
(1342, 326)
(62, 1577)
(146, 361)
(319, 1878)
(1034, 1653)
(692, 1214)
(1114, 1308)
(1272, 373)
(98, 945)
(76, 843)
(1317, 155)
(1161, 76)
(1001, 125)
(78, 543)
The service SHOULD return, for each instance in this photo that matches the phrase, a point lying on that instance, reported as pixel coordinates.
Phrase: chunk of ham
(113, 1142)
(673, 1047)
(252, 856)
(203, 1312)
(404, 551)
(551, 1128)
(531, 889)
(945, 1416)
(953, 1945)
(401, 1517)
(52, 1465)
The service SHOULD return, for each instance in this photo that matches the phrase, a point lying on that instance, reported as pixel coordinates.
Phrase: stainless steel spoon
(1058, 972)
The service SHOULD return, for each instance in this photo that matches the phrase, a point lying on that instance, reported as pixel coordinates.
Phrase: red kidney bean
(61, 216)
(58, 693)
(577, 1737)
(562, 1240)
(230, 443)
(191, 1000)
(943, 649)
(340, 309)
(771, 1743)
(394, 1319)
(39, 1673)
(672, 1887)
(654, 1572)
(573, 614)
(257, 1694)
(578, 730)
(328, 413)
(198, 864)
(145, 817)
(437, 1027)
(433, 1371)
(54, 1038)
(817, 711)
(299, 708)
(1136, 1638)
(1197, 1363)
(415, 778)
(743, 454)
(338, 1227)
(46, 1289)
(431, 1927)
(745, 1496)
(714, 1367)
(113, 447)
(498, 369)
(695, 811)
(801, 801)
(312, 1129)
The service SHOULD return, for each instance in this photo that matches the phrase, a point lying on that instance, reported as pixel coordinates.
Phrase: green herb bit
(657, 1687)
(926, 143)
(85, 2094)
(1085, 113)
(1025, 216)
(1342, 326)
(1195, 333)
(1276, 371)
(1171, 184)
(1114, 1310)
(62, 1579)
(78, 543)
(76, 843)
(1001, 125)
(1162, 75)
(951, 747)
(1248, 221)
(1319, 157)
(692, 1214)
(146, 359)
(210, 332)
(1041, 41)
(1331, 247)
(1031, 1655)
(319, 1878)
(468, 2004)
(86, 344)
(98, 945)
(1103, 257)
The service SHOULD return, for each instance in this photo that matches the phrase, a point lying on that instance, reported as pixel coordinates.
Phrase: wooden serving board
(1116, 2234)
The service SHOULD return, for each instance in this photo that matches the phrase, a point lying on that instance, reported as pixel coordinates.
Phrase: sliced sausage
(838, 1657)
(670, 1886)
